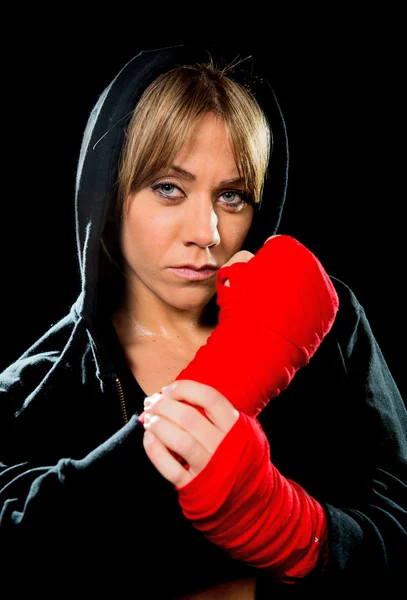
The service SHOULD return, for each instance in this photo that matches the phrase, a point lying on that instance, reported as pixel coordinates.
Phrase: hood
(103, 138)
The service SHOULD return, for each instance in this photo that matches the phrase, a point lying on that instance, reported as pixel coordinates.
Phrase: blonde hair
(166, 115)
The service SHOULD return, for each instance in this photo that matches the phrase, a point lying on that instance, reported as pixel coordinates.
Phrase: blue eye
(163, 188)
(233, 194)
(235, 199)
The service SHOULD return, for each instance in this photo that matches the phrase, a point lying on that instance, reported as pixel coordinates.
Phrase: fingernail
(148, 438)
(169, 388)
(149, 420)
(150, 400)
(147, 403)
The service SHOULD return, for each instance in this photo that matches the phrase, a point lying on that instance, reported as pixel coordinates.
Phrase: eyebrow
(191, 177)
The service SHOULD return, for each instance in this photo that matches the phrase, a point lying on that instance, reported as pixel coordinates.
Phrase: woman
(86, 500)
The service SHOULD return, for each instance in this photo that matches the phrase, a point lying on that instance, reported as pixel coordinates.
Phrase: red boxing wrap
(243, 504)
(272, 318)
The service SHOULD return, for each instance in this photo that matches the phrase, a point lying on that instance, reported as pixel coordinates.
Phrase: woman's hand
(172, 425)
(242, 256)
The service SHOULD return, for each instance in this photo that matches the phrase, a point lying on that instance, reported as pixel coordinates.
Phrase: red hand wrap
(272, 318)
(243, 504)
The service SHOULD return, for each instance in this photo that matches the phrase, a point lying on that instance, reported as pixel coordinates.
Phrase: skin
(242, 589)
(204, 225)
(199, 227)
(172, 425)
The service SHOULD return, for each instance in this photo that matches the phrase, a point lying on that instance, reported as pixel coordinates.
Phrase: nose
(201, 225)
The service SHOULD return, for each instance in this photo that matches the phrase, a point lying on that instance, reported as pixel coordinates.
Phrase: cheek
(233, 235)
(245, 226)
(145, 236)
(134, 235)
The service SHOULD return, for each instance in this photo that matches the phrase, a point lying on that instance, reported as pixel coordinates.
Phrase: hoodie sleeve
(49, 512)
(367, 523)
(368, 538)
(49, 500)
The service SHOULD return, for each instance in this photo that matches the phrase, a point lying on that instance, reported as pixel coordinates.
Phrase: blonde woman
(182, 175)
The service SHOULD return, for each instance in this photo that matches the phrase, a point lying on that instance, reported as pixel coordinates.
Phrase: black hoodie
(82, 508)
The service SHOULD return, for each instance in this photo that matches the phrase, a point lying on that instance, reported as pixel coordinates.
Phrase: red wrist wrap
(243, 504)
(272, 318)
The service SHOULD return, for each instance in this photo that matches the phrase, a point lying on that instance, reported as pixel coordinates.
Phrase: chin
(193, 300)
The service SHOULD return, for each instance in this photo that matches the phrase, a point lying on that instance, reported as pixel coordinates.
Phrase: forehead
(209, 142)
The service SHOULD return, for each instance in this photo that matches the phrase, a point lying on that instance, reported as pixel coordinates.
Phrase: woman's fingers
(187, 418)
(172, 437)
(241, 256)
(181, 429)
(218, 408)
(272, 236)
(164, 462)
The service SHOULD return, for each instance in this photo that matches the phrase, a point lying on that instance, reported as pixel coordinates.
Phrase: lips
(195, 268)
(193, 274)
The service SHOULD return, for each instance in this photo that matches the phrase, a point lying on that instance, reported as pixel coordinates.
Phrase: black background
(340, 83)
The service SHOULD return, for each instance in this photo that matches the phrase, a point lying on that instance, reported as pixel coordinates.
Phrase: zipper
(122, 401)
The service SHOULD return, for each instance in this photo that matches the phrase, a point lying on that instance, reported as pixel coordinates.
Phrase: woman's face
(196, 215)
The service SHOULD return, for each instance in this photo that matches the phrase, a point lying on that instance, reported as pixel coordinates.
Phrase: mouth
(194, 274)
(192, 267)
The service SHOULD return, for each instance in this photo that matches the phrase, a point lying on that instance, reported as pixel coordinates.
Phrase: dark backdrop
(341, 91)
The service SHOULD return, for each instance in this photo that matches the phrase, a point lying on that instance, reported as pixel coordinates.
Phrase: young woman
(290, 476)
